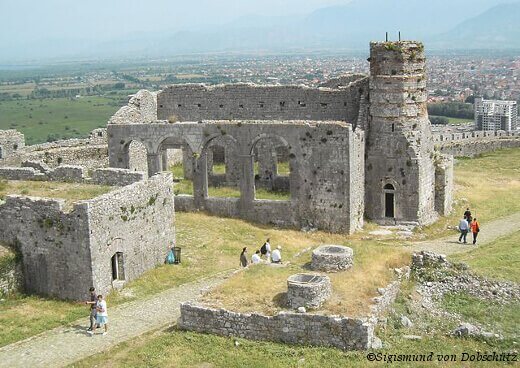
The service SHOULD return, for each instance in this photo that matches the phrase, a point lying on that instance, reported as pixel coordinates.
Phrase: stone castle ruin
(362, 146)
(357, 147)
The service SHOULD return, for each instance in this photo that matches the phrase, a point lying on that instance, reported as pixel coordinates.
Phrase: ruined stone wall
(472, 144)
(141, 108)
(444, 185)
(137, 220)
(54, 245)
(66, 252)
(291, 328)
(71, 174)
(90, 152)
(193, 102)
(11, 276)
(326, 160)
(11, 141)
(399, 143)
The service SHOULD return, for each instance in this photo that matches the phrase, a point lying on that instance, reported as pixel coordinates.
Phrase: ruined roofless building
(360, 146)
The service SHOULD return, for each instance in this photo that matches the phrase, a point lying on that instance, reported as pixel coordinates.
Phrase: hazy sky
(94, 19)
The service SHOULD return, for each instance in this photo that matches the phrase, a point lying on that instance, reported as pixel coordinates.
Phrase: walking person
(475, 229)
(243, 257)
(101, 316)
(463, 228)
(467, 215)
(93, 311)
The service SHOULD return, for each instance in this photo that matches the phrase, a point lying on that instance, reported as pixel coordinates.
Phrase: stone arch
(137, 154)
(229, 147)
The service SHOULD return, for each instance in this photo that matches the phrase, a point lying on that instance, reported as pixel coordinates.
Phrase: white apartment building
(495, 115)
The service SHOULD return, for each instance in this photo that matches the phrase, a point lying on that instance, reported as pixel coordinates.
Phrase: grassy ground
(60, 117)
(489, 185)
(499, 260)
(454, 120)
(261, 288)
(492, 316)
(185, 186)
(71, 192)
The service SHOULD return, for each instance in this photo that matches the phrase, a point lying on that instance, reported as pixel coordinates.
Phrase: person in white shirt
(463, 228)
(255, 259)
(276, 257)
(266, 250)
(101, 316)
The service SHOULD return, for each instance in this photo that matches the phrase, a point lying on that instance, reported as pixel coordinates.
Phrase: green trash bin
(177, 255)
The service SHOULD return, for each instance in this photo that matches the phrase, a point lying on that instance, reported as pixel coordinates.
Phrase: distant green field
(455, 120)
(57, 118)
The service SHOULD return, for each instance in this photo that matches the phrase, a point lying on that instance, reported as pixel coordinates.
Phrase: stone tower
(400, 170)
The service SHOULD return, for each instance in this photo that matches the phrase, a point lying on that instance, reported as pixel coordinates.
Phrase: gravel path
(65, 345)
(488, 233)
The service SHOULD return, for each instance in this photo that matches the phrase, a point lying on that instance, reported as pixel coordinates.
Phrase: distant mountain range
(441, 24)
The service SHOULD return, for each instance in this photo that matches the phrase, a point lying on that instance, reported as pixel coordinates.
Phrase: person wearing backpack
(475, 229)
(265, 250)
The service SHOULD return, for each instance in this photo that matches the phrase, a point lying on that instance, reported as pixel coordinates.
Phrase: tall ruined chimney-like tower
(400, 172)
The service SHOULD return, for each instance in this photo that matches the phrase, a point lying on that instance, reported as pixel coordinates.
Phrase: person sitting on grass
(255, 259)
(102, 315)
(276, 256)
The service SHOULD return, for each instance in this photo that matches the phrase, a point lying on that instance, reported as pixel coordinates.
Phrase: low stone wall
(472, 148)
(89, 152)
(71, 174)
(470, 144)
(292, 328)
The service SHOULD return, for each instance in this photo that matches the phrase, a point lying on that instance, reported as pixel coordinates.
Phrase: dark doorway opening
(389, 204)
(118, 269)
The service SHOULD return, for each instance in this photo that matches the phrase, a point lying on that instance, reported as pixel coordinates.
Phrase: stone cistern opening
(308, 290)
(332, 258)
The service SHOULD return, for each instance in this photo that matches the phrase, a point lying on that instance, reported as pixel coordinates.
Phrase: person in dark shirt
(243, 257)
(93, 311)
(467, 215)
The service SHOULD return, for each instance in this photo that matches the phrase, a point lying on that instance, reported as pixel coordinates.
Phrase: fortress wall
(54, 245)
(191, 102)
(137, 220)
(472, 144)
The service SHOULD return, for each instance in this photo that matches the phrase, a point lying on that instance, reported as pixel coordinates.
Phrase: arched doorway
(389, 198)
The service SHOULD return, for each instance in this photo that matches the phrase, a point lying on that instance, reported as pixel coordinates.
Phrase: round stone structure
(308, 290)
(332, 258)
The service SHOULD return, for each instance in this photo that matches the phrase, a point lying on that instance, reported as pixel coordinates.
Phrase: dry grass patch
(489, 185)
(262, 288)
(71, 192)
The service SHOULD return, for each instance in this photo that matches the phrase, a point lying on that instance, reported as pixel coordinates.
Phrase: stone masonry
(358, 146)
(102, 242)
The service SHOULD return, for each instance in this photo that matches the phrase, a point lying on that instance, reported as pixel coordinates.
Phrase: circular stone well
(332, 258)
(307, 290)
